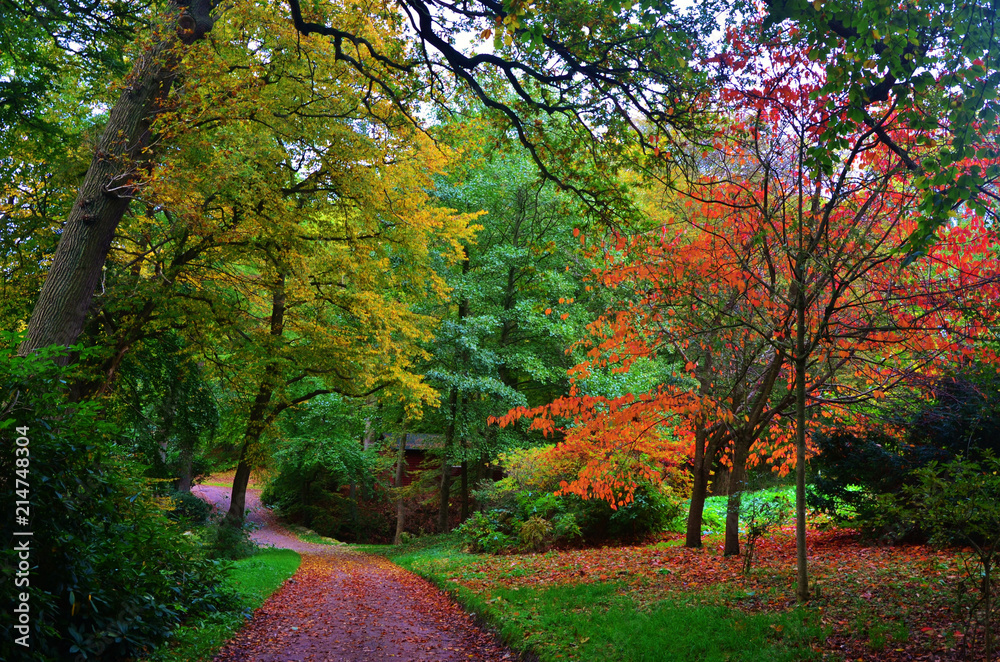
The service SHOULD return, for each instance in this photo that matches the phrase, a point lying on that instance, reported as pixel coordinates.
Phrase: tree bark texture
(802, 573)
(400, 472)
(257, 420)
(704, 450)
(122, 157)
(737, 484)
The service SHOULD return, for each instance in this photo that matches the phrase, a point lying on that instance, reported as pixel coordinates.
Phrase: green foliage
(959, 505)
(164, 406)
(189, 508)
(522, 510)
(229, 542)
(534, 532)
(858, 471)
(939, 59)
(112, 575)
(759, 513)
(253, 579)
(483, 533)
(320, 454)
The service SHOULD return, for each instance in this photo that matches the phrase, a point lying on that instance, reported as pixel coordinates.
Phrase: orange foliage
(717, 278)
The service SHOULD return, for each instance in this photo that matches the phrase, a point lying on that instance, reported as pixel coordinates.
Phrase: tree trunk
(449, 441)
(352, 497)
(400, 470)
(737, 483)
(444, 495)
(465, 489)
(699, 489)
(802, 574)
(123, 153)
(238, 496)
(184, 476)
(256, 422)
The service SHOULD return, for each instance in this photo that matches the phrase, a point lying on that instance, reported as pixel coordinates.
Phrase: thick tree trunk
(185, 473)
(699, 488)
(122, 156)
(400, 470)
(238, 496)
(737, 484)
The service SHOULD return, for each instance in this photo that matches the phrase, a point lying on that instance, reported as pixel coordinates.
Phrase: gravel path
(344, 606)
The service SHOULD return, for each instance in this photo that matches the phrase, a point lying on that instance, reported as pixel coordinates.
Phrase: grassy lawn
(254, 578)
(662, 601)
(604, 619)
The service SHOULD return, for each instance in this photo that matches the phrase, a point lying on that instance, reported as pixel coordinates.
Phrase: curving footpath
(344, 606)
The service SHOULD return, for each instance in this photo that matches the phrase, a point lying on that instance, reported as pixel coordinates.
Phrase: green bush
(189, 508)
(534, 533)
(959, 505)
(485, 533)
(857, 471)
(523, 511)
(759, 513)
(229, 542)
(111, 576)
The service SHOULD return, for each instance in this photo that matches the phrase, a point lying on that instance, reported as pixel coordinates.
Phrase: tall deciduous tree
(780, 283)
(496, 347)
(624, 62)
(930, 67)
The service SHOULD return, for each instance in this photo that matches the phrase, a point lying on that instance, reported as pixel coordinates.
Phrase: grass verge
(605, 620)
(254, 579)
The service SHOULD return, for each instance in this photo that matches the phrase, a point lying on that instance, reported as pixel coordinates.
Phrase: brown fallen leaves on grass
(879, 603)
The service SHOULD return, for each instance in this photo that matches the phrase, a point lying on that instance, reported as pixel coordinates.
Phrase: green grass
(254, 578)
(602, 621)
(308, 535)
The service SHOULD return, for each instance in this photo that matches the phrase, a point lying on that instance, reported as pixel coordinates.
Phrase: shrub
(760, 512)
(483, 533)
(188, 507)
(113, 576)
(523, 507)
(959, 504)
(534, 533)
(858, 470)
(229, 542)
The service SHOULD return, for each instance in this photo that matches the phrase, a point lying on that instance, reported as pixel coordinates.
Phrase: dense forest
(526, 278)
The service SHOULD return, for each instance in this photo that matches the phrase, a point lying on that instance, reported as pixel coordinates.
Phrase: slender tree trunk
(122, 156)
(449, 441)
(802, 574)
(986, 590)
(445, 495)
(256, 422)
(352, 497)
(400, 469)
(465, 489)
(737, 484)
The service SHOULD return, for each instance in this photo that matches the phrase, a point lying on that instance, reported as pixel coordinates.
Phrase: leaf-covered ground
(345, 606)
(874, 603)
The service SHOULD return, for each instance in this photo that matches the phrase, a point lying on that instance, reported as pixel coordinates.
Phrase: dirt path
(343, 606)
